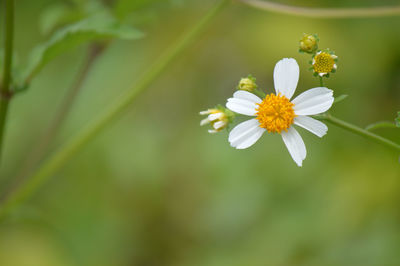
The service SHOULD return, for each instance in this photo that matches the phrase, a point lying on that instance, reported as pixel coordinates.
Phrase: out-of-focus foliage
(97, 27)
(142, 12)
(57, 15)
(63, 13)
(156, 189)
(123, 8)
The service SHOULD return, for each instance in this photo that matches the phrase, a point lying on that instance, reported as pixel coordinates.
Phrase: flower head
(276, 113)
(324, 62)
(247, 84)
(219, 119)
(309, 43)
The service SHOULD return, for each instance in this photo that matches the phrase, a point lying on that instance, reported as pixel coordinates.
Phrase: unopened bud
(247, 84)
(309, 43)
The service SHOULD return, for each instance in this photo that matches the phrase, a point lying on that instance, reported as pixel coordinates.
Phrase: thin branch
(5, 91)
(361, 12)
(44, 142)
(359, 131)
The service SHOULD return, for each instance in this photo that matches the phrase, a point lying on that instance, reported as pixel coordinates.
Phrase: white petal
(245, 95)
(314, 101)
(219, 124)
(242, 128)
(212, 131)
(250, 139)
(295, 145)
(245, 134)
(204, 122)
(241, 106)
(215, 116)
(286, 76)
(311, 124)
(205, 112)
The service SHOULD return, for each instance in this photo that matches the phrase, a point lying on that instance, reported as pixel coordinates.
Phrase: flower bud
(309, 43)
(247, 84)
(219, 118)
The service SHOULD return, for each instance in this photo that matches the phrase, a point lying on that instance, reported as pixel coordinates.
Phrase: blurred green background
(155, 188)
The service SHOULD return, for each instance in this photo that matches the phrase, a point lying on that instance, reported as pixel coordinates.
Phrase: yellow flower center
(275, 113)
(323, 63)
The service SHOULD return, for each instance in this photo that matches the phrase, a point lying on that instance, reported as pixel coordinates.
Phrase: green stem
(359, 131)
(323, 13)
(5, 91)
(259, 93)
(67, 150)
(321, 81)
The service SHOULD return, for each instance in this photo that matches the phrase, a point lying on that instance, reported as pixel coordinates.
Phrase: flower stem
(324, 13)
(67, 150)
(321, 81)
(5, 90)
(359, 131)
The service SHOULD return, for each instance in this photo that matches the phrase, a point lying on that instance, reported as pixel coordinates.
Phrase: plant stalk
(5, 90)
(321, 81)
(324, 13)
(359, 131)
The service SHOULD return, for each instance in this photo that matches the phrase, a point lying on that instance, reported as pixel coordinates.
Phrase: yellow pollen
(323, 63)
(275, 113)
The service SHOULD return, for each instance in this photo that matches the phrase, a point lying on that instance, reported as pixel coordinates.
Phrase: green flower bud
(309, 43)
(247, 84)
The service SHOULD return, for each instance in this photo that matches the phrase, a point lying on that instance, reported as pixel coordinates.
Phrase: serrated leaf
(101, 26)
(340, 98)
(397, 120)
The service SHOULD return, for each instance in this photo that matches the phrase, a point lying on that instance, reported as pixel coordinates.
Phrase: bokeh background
(155, 188)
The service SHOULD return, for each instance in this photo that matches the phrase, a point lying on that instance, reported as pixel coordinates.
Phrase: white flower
(218, 119)
(277, 114)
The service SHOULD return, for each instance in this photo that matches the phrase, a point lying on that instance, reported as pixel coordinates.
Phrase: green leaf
(340, 98)
(377, 125)
(101, 26)
(397, 120)
(59, 14)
